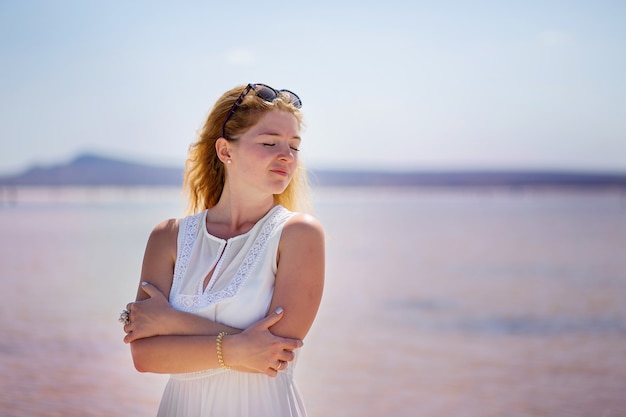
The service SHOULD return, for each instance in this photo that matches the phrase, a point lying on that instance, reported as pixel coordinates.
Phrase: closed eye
(273, 144)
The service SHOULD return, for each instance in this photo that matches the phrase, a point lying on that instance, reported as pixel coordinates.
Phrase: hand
(257, 349)
(147, 317)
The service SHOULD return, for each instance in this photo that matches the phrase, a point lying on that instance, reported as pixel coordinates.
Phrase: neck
(233, 215)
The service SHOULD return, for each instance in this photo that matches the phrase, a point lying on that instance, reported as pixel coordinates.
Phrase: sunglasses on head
(266, 93)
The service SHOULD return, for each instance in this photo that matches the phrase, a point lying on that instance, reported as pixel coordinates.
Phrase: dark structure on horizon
(96, 170)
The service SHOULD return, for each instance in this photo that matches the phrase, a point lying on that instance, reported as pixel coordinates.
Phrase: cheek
(254, 153)
(257, 159)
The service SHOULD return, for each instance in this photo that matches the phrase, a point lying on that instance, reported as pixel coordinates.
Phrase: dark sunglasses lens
(265, 92)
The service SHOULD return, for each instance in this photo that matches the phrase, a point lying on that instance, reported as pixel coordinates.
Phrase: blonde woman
(228, 293)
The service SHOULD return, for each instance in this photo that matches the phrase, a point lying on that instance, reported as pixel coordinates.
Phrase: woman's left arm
(300, 276)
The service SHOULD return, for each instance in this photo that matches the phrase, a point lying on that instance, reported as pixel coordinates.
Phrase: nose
(286, 154)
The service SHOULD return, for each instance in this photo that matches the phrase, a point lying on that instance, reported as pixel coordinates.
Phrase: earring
(228, 161)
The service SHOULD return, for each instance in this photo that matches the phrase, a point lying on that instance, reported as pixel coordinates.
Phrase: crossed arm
(165, 340)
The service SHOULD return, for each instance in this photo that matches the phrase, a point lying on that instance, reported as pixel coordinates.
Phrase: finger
(129, 338)
(271, 319)
(291, 344)
(150, 289)
(129, 306)
(286, 356)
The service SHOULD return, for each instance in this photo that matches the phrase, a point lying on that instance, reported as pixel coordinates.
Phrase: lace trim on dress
(191, 225)
(194, 302)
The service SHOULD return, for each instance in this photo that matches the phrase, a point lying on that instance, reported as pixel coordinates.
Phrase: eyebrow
(272, 133)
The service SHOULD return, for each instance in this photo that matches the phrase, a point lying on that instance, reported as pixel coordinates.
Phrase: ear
(222, 147)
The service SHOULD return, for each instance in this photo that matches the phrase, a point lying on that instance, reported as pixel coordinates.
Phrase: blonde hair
(205, 173)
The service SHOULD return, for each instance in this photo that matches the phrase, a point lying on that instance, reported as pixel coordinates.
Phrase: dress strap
(188, 232)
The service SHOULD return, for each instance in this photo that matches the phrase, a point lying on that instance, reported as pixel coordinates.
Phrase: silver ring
(280, 365)
(124, 317)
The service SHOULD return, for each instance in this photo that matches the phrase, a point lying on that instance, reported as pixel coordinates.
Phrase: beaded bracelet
(220, 358)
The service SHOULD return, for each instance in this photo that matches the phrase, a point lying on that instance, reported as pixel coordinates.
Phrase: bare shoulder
(166, 228)
(164, 235)
(160, 257)
(303, 227)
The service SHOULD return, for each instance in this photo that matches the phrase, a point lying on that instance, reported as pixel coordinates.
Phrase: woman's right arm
(151, 314)
(186, 342)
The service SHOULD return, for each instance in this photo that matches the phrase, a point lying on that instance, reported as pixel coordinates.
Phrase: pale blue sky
(388, 84)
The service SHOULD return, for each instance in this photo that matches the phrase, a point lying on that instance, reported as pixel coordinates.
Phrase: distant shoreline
(88, 195)
(94, 170)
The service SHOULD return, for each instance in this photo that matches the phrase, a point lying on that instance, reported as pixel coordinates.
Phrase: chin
(279, 188)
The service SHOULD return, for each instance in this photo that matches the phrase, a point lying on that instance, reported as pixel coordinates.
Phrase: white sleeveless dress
(238, 295)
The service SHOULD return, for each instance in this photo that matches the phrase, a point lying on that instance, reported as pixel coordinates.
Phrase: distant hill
(96, 170)
(89, 169)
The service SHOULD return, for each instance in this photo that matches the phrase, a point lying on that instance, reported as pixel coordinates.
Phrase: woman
(243, 252)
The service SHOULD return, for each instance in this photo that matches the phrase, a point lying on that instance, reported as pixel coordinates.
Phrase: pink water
(437, 303)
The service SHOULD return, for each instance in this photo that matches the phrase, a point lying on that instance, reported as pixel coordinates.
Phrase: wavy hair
(205, 173)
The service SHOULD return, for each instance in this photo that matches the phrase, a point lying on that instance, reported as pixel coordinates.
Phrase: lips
(280, 171)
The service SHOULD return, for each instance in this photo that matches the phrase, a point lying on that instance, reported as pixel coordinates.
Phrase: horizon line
(356, 168)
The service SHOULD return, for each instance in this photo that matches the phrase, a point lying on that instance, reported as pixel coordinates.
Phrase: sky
(393, 85)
